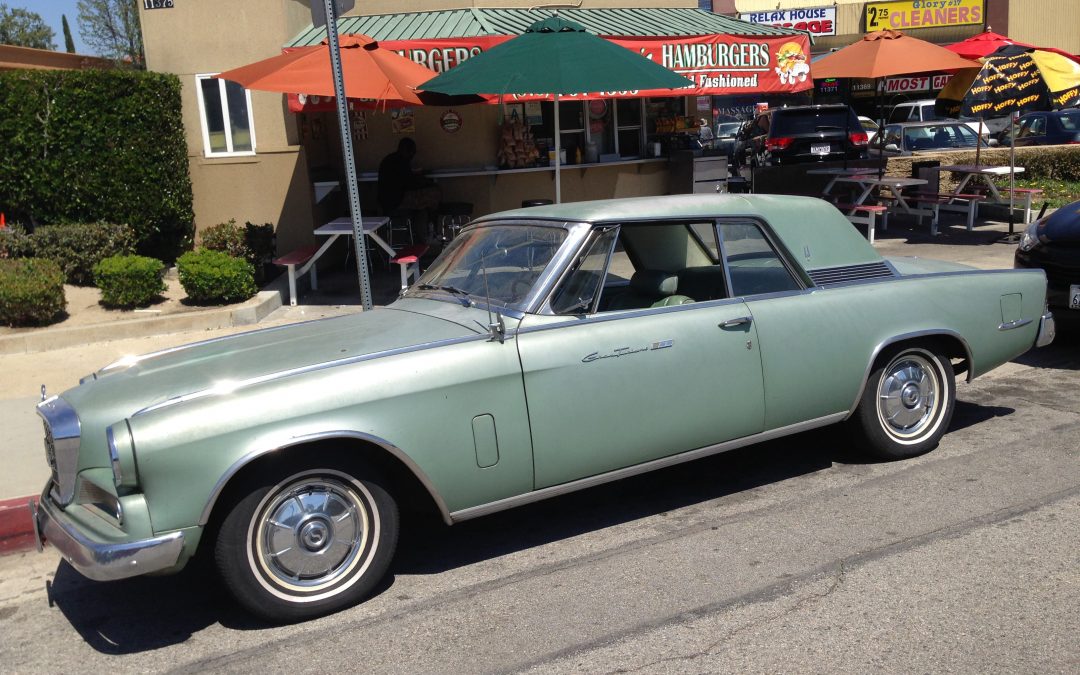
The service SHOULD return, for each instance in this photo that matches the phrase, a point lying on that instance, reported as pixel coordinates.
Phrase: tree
(112, 28)
(24, 28)
(69, 43)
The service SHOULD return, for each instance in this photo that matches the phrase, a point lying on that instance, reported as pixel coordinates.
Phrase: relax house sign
(717, 64)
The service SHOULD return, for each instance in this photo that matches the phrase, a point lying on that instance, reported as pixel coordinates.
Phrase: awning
(721, 55)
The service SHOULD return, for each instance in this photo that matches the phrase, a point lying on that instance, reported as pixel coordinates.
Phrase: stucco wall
(1046, 23)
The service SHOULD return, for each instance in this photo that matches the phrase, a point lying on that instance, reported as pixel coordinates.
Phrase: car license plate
(822, 149)
(1074, 296)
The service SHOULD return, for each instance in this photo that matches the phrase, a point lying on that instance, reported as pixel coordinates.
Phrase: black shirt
(395, 177)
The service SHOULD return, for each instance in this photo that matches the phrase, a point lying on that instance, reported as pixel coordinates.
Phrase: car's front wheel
(303, 542)
(907, 403)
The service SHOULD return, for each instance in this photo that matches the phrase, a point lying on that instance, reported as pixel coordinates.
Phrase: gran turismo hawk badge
(627, 351)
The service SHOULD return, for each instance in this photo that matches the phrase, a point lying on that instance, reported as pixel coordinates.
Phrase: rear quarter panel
(817, 347)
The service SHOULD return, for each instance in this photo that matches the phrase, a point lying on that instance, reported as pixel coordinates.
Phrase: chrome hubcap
(311, 533)
(909, 396)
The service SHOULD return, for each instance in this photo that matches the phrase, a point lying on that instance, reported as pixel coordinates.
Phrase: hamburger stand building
(263, 157)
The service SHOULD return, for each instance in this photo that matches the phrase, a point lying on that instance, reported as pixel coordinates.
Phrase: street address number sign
(910, 14)
(157, 4)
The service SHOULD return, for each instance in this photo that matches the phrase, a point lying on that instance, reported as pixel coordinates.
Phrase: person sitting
(402, 189)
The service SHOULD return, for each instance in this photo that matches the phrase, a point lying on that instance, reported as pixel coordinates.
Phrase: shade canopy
(983, 44)
(1013, 79)
(555, 56)
(370, 72)
(889, 52)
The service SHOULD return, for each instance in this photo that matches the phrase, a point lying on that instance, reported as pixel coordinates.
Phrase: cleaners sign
(909, 14)
(818, 21)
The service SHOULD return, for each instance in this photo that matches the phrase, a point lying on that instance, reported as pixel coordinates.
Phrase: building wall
(1046, 23)
(208, 36)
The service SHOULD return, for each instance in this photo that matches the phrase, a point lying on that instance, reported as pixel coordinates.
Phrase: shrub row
(31, 291)
(213, 277)
(75, 247)
(254, 243)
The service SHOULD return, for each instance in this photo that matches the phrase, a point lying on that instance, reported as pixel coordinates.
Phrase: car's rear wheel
(907, 403)
(304, 542)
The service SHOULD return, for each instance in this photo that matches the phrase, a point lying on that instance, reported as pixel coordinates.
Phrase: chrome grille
(840, 275)
(62, 438)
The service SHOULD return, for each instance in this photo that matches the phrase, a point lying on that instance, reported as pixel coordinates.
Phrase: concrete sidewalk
(22, 454)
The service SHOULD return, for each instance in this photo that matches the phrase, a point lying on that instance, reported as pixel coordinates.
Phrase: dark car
(1053, 245)
(898, 140)
(801, 134)
(1059, 127)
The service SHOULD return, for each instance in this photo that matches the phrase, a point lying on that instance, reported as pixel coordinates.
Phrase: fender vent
(840, 275)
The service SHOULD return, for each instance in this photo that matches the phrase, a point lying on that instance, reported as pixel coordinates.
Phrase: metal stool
(401, 225)
(452, 216)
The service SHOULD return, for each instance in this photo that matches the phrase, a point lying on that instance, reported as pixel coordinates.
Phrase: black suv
(801, 134)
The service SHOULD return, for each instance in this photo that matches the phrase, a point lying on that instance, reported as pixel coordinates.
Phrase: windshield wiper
(463, 295)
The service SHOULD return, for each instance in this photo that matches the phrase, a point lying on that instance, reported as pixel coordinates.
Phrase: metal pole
(558, 152)
(1012, 172)
(347, 153)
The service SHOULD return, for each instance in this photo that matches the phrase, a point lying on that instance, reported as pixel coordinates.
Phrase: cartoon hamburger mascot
(791, 63)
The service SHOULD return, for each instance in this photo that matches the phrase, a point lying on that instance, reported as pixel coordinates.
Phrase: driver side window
(579, 293)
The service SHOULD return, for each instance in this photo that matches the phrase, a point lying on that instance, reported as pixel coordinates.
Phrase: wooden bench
(869, 212)
(951, 201)
(408, 259)
(1028, 194)
(305, 258)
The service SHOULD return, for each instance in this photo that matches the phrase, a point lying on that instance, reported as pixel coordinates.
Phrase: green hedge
(98, 145)
(31, 291)
(254, 243)
(212, 277)
(129, 280)
(77, 247)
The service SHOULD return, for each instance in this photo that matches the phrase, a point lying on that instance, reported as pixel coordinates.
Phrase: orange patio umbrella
(370, 72)
(888, 52)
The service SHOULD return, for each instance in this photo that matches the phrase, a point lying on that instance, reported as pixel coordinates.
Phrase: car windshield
(498, 264)
(938, 136)
(791, 122)
(728, 128)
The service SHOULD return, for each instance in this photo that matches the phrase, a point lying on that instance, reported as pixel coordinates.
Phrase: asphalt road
(792, 556)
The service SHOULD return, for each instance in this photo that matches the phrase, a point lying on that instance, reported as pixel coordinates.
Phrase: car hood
(135, 383)
(1061, 226)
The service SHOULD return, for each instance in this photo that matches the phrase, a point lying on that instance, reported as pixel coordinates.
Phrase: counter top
(371, 176)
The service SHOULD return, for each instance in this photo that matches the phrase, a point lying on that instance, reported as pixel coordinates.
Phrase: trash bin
(535, 202)
(925, 170)
(738, 185)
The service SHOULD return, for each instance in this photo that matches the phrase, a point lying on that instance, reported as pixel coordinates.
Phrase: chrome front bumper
(1046, 330)
(103, 561)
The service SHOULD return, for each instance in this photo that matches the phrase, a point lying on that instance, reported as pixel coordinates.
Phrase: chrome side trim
(114, 457)
(1047, 330)
(63, 426)
(255, 453)
(581, 484)
(908, 336)
(576, 320)
(231, 387)
(1009, 325)
(106, 561)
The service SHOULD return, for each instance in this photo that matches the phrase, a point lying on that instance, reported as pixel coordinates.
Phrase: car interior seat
(651, 288)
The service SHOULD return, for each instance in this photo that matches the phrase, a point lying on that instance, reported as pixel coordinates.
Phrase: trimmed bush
(129, 280)
(78, 247)
(212, 277)
(254, 243)
(15, 243)
(98, 145)
(225, 237)
(31, 292)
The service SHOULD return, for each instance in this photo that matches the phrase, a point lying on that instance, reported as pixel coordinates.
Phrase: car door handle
(731, 323)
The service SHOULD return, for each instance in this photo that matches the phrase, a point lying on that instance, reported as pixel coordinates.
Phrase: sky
(51, 11)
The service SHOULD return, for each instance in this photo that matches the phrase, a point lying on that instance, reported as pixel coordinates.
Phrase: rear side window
(754, 265)
(793, 122)
(1070, 121)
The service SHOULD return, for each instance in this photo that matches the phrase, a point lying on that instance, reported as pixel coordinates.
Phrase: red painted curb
(16, 528)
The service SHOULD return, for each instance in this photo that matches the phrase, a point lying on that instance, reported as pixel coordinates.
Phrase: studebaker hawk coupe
(546, 350)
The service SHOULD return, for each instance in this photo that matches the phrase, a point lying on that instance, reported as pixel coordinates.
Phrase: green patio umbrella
(555, 56)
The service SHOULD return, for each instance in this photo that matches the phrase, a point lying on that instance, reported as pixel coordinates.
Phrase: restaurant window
(602, 129)
(225, 113)
(628, 123)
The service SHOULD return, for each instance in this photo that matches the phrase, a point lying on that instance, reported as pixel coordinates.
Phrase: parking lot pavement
(791, 556)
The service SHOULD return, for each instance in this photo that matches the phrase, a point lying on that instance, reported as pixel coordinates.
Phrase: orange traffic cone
(3, 222)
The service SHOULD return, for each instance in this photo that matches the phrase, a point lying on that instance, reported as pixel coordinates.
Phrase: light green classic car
(546, 350)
